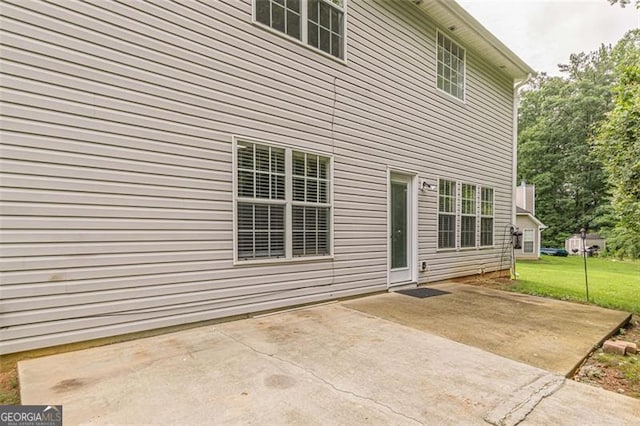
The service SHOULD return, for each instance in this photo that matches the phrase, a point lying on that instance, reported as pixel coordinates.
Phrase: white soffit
(453, 19)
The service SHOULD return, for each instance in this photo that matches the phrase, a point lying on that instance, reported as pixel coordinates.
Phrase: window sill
(283, 260)
(342, 61)
(459, 249)
(447, 250)
(450, 97)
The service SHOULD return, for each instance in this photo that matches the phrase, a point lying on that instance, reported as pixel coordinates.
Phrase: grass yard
(612, 284)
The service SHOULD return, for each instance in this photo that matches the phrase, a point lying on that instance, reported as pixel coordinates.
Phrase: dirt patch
(497, 283)
(9, 388)
(616, 373)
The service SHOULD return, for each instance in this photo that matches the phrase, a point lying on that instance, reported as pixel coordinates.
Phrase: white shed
(573, 244)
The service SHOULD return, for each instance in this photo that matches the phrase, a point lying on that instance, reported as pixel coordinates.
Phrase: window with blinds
(468, 216)
(283, 203)
(486, 216)
(468, 223)
(310, 204)
(446, 214)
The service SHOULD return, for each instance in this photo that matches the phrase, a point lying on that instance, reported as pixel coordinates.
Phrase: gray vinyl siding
(118, 121)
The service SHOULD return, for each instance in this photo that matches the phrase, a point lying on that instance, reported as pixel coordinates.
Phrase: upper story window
(281, 15)
(317, 23)
(451, 66)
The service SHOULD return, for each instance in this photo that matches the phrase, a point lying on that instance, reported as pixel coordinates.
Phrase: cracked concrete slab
(579, 404)
(512, 411)
(321, 365)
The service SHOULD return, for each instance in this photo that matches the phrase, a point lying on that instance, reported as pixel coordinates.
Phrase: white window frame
(303, 41)
(288, 201)
(532, 241)
(464, 67)
(454, 214)
(474, 215)
(492, 217)
(458, 217)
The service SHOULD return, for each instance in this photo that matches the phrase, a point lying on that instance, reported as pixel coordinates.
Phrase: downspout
(514, 171)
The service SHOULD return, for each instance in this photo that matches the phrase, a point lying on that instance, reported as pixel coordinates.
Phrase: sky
(545, 32)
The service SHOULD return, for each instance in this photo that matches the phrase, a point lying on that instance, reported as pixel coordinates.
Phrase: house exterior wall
(117, 160)
(524, 222)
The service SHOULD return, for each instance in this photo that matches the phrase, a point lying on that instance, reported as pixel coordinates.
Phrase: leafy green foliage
(624, 3)
(578, 143)
(557, 119)
(617, 146)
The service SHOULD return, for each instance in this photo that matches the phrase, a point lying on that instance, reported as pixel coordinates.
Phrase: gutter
(514, 171)
(461, 14)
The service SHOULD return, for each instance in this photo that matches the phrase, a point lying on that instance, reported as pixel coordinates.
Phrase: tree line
(579, 143)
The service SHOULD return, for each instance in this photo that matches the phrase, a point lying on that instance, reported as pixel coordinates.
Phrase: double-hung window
(451, 66)
(283, 203)
(468, 216)
(527, 240)
(317, 23)
(486, 216)
(310, 205)
(261, 201)
(446, 214)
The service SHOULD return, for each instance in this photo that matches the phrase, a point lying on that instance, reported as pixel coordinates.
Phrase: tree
(624, 3)
(578, 142)
(558, 116)
(617, 146)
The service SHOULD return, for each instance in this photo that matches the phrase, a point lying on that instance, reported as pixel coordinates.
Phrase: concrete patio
(546, 333)
(326, 364)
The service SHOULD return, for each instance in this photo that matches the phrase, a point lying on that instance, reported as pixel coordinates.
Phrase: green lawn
(612, 284)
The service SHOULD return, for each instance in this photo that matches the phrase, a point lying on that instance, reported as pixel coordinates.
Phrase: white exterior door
(402, 232)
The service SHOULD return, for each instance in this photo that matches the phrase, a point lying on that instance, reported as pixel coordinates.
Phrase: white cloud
(545, 32)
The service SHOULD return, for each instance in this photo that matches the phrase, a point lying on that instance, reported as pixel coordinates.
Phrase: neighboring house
(167, 162)
(527, 223)
(573, 244)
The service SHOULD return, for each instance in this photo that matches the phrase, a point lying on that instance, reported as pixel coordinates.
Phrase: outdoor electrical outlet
(423, 266)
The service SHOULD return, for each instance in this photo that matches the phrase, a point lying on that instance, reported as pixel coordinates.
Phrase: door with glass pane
(401, 232)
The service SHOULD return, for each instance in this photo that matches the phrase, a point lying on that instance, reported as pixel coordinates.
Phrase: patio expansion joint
(516, 408)
(319, 378)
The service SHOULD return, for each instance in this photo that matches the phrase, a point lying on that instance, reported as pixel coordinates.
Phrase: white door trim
(412, 255)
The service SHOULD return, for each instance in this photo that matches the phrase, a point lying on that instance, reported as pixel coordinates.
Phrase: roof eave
(533, 218)
(449, 14)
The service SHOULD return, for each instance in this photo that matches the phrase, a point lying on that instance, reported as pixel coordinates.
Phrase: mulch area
(616, 373)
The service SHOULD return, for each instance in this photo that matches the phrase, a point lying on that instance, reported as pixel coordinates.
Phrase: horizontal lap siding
(410, 125)
(116, 169)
